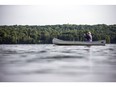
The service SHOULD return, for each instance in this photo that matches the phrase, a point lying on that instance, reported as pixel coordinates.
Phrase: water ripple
(75, 63)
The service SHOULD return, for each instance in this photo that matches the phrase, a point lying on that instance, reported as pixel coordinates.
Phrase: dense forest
(25, 34)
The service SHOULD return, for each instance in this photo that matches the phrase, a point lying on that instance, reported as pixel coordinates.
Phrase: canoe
(86, 43)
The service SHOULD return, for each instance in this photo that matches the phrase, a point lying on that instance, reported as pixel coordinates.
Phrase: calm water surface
(58, 63)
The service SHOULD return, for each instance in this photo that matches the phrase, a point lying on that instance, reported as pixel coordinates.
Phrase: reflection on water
(57, 63)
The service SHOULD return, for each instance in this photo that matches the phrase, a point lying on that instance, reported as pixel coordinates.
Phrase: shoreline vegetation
(34, 34)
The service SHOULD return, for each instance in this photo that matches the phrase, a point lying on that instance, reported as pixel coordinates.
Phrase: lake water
(41, 63)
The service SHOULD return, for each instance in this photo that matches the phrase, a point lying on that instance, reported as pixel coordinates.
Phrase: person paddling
(88, 36)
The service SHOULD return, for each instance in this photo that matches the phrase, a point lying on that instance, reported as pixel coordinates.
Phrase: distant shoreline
(53, 24)
(26, 34)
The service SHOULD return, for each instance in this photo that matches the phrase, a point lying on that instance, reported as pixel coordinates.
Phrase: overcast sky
(57, 14)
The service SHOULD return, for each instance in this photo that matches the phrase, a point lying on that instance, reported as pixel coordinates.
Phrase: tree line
(25, 34)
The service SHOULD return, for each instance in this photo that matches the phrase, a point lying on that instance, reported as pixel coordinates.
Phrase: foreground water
(57, 63)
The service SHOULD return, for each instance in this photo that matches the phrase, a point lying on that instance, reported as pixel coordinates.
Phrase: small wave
(47, 58)
(7, 52)
(21, 52)
(63, 56)
(43, 51)
(42, 71)
(34, 52)
(111, 49)
(68, 51)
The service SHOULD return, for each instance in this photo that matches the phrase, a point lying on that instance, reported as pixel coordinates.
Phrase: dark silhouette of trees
(25, 34)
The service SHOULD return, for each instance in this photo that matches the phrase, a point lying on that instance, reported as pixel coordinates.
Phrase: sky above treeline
(57, 14)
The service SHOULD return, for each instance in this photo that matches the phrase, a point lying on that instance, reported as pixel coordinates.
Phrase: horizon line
(50, 24)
